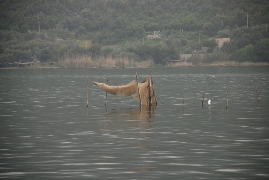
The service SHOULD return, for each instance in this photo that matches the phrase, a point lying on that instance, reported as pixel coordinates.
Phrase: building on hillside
(168, 63)
(58, 40)
(220, 41)
(184, 57)
(156, 35)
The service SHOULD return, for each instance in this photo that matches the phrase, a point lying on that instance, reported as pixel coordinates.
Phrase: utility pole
(38, 25)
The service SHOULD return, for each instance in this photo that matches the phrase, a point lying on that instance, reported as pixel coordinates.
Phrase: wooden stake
(152, 86)
(149, 95)
(106, 92)
(160, 100)
(203, 100)
(138, 90)
(256, 88)
(227, 99)
(87, 93)
(183, 102)
(149, 90)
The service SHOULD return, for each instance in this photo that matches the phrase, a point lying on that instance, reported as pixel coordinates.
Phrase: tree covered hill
(120, 27)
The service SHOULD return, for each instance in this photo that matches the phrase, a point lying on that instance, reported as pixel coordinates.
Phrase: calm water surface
(46, 131)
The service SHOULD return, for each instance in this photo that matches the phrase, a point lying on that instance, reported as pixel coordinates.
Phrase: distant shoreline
(174, 65)
(221, 64)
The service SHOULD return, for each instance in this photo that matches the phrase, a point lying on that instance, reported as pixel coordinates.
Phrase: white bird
(209, 101)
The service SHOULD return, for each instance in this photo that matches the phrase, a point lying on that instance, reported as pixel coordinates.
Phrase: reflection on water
(131, 127)
(47, 132)
(143, 114)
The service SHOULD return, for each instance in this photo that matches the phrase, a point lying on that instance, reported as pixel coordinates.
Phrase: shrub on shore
(103, 62)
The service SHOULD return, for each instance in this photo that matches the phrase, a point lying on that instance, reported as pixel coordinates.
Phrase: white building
(156, 34)
(220, 41)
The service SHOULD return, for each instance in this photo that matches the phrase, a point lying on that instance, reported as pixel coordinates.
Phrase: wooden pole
(138, 90)
(183, 107)
(87, 93)
(256, 88)
(149, 90)
(203, 100)
(183, 103)
(149, 95)
(227, 98)
(106, 92)
(160, 100)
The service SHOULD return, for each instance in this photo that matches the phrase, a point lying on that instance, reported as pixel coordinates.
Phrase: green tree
(228, 47)
(210, 44)
(262, 50)
(1, 49)
(81, 30)
(225, 33)
(245, 54)
(20, 55)
(94, 50)
(24, 28)
(208, 29)
(45, 55)
(240, 18)
(6, 58)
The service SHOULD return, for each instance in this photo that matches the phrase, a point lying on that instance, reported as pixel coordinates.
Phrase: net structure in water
(142, 92)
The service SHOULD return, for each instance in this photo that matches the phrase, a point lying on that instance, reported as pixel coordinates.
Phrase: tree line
(120, 27)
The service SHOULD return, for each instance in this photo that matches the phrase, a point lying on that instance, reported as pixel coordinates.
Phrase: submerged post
(87, 93)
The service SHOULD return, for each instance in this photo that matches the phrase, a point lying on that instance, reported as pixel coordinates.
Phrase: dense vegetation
(119, 28)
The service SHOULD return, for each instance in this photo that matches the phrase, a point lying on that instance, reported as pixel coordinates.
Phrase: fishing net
(142, 92)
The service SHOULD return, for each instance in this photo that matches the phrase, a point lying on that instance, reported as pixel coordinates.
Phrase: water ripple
(47, 132)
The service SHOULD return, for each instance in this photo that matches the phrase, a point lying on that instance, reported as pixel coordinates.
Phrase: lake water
(46, 131)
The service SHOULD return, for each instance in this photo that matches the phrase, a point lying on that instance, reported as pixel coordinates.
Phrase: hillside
(120, 27)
